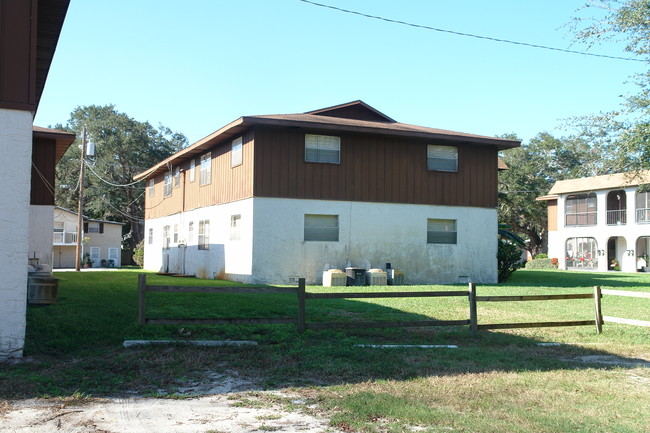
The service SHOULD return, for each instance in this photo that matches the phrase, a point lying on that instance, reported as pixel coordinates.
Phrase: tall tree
(123, 148)
(533, 169)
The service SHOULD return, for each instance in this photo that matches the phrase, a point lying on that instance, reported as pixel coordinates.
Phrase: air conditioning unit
(376, 277)
(395, 277)
(334, 277)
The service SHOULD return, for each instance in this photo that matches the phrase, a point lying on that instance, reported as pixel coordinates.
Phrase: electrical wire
(470, 35)
(108, 182)
(47, 183)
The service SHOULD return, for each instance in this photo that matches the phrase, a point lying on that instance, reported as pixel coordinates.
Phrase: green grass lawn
(495, 381)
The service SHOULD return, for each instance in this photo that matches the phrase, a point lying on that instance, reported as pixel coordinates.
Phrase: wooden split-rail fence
(300, 319)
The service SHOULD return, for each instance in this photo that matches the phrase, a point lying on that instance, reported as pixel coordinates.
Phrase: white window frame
(113, 254)
(175, 233)
(204, 235)
(321, 228)
(442, 231)
(206, 169)
(167, 188)
(166, 238)
(322, 149)
(442, 158)
(150, 236)
(192, 169)
(95, 254)
(237, 152)
(93, 227)
(190, 232)
(235, 227)
(177, 177)
(152, 187)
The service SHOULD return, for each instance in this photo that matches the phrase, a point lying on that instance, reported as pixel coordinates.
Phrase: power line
(453, 32)
(108, 182)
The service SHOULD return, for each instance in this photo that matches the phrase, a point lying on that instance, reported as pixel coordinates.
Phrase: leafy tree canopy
(123, 148)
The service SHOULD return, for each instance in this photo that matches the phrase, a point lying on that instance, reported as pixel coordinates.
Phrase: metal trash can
(356, 276)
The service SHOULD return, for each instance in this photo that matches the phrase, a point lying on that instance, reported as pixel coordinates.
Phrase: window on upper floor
(322, 148)
(442, 158)
(441, 231)
(643, 207)
(192, 169)
(151, 187)
(580, 210)
(206, 169)
(177, 177)
(93, 227)
(167, 189)
(323, 228)
(204, 234)
(236, 152)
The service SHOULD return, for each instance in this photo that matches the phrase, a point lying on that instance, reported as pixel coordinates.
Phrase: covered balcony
(616, 208)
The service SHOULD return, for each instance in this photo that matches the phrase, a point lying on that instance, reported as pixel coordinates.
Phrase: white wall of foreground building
(371, 235)
(40, 233)
(626, 234)
(272, 249)
(224, 258)
(16, 149)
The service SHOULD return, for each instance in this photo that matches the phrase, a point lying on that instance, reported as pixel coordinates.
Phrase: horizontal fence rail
(300, 320)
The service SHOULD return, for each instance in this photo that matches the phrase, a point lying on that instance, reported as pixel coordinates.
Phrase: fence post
(142, 289)
(473, 320)
(599, 312)
(301, 305)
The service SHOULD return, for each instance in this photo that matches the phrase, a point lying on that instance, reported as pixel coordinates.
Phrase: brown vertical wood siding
(227, 184)
(43, 157)
(552, 215)
(18, 54)
(373, 168)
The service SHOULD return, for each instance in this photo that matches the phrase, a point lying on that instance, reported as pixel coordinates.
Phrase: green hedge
(544, 263)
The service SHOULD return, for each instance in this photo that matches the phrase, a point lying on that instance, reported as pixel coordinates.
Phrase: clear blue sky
(196, 65)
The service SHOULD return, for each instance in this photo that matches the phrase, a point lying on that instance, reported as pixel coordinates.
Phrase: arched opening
(643, 254)
(616, 208)
(581, 253)
(616, 247)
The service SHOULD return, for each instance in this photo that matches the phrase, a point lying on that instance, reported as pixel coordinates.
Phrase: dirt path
(213, 414)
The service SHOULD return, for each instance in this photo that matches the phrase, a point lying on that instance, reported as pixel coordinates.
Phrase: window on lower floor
(441, 231)
(204, 234)
(175, 233)
(166, 238)
(113, 254)
(94, 254)
(581, 253)
(321, 228)
(190, 232)
(235, 227)
(150, 240)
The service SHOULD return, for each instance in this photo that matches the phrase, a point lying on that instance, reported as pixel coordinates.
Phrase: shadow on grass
(75, 346)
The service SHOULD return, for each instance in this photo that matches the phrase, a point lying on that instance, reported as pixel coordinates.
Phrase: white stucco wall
(16, 148)
(371, 235)
(40, 233)
(627, 234)
(224, 258)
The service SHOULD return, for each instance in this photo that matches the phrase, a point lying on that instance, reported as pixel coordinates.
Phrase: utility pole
(80, 217)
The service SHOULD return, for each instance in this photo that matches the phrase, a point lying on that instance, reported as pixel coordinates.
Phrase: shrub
(543, 263)
(541, 256)
(508, 259)
(138, 253)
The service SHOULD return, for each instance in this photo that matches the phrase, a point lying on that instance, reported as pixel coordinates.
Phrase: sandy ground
(224, 409)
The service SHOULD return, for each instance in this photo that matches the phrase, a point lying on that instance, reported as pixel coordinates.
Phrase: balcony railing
(643, 216)
(65, 238)
(580, 219)
(616, 217)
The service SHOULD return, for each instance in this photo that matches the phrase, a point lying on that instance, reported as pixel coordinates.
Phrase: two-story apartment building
(600, 223)
(268, 198)
(102, 240)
